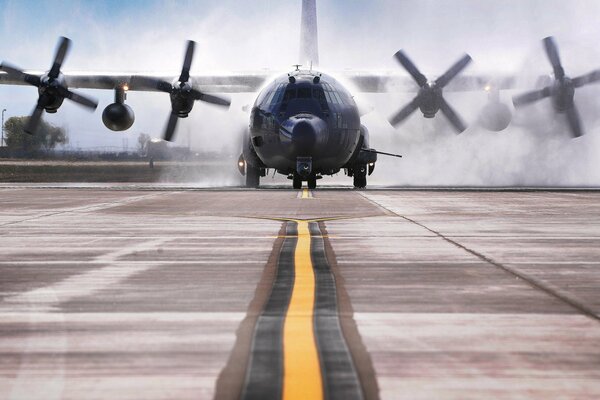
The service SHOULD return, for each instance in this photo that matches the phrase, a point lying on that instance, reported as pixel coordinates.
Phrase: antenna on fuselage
(297, 66)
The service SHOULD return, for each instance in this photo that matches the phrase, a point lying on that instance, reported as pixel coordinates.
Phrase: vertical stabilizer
(309, 46)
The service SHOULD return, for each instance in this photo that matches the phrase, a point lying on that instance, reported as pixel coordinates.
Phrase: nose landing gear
(297, 181)
(311, 181)
(360, 176)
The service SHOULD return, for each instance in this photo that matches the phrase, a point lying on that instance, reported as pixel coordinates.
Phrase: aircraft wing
(386, 82)
(222, 83)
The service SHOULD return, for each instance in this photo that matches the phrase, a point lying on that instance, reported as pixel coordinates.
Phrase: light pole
(2, 142)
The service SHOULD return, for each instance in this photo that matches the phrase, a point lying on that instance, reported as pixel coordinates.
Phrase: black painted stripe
(264, 376)
(340, 379)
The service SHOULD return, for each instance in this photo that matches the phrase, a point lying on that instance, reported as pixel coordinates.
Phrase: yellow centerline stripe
(305, 194)
(302, 370)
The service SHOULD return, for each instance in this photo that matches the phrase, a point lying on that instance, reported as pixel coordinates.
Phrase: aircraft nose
(304, 134)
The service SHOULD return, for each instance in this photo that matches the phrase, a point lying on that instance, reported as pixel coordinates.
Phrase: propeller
(183, 95)
(430, 98)
(562, 90)
(52, 88)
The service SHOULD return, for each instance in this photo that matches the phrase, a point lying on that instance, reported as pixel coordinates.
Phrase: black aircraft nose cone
(304, 137)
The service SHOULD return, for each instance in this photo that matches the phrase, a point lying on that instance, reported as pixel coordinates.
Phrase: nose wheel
(297, 181)
(360, 177)
(311, 181)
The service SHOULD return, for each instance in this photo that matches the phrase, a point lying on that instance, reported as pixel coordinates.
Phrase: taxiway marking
(47, 298)
(306, 194)
(302, 371)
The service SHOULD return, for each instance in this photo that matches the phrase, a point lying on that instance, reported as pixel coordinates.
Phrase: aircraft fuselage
(304, 116)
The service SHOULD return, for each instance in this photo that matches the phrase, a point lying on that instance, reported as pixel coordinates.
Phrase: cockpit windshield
(316, 93)
(304, 93)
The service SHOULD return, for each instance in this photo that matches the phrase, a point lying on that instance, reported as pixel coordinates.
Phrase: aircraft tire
(360, 182)
(360, 177)
(297, 182)
(252, 177)
(312, 182)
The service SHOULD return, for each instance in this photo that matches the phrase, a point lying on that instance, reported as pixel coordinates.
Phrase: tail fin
(309, 46)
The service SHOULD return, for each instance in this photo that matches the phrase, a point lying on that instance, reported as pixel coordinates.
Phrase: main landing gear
(253, 175)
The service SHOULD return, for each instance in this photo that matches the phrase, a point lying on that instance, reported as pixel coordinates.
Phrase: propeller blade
(531, 97)
(552, 53)
(18, 73)
(401, 115)
(411, 68)
(34, 120)
(187, 62)
(61, 53)
(586, 79)
(574, 121)
(81, 99)
(171, 125)
(149, 83)
(209, 98)
(452, 116)
(453, 71)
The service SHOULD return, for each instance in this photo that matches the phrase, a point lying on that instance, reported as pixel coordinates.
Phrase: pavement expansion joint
(298, 349)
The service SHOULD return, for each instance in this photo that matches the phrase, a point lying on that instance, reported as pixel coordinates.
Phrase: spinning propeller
(51, 87)
(430, 98)
(182, 93)
(562, 90)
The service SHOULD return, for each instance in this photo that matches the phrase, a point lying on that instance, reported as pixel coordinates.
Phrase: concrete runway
(200, 294)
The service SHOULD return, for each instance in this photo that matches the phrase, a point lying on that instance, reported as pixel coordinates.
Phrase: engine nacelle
(429, 100)
(118, 117)
(182, 103)
(495, 116)
(49, 89)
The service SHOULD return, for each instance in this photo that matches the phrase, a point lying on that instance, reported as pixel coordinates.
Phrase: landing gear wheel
(252, 176)
(312, 182)
(360, 177)
(297, 182)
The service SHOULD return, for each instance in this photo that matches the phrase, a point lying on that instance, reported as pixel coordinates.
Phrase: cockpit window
(266, 94)
(324, 96)
(304, 93)
(333, 96)
(289, 94)
(278, 95)
(319, 95)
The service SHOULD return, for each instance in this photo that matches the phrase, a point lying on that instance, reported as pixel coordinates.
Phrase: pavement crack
(535, 283)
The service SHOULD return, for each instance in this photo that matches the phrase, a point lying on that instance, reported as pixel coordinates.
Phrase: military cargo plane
(304, 124)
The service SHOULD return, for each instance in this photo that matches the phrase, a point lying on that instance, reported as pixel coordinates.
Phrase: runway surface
(171, 293)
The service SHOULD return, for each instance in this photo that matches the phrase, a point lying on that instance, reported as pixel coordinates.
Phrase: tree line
(21, 144)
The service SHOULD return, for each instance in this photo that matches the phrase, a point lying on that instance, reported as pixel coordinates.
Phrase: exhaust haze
(504, 38)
